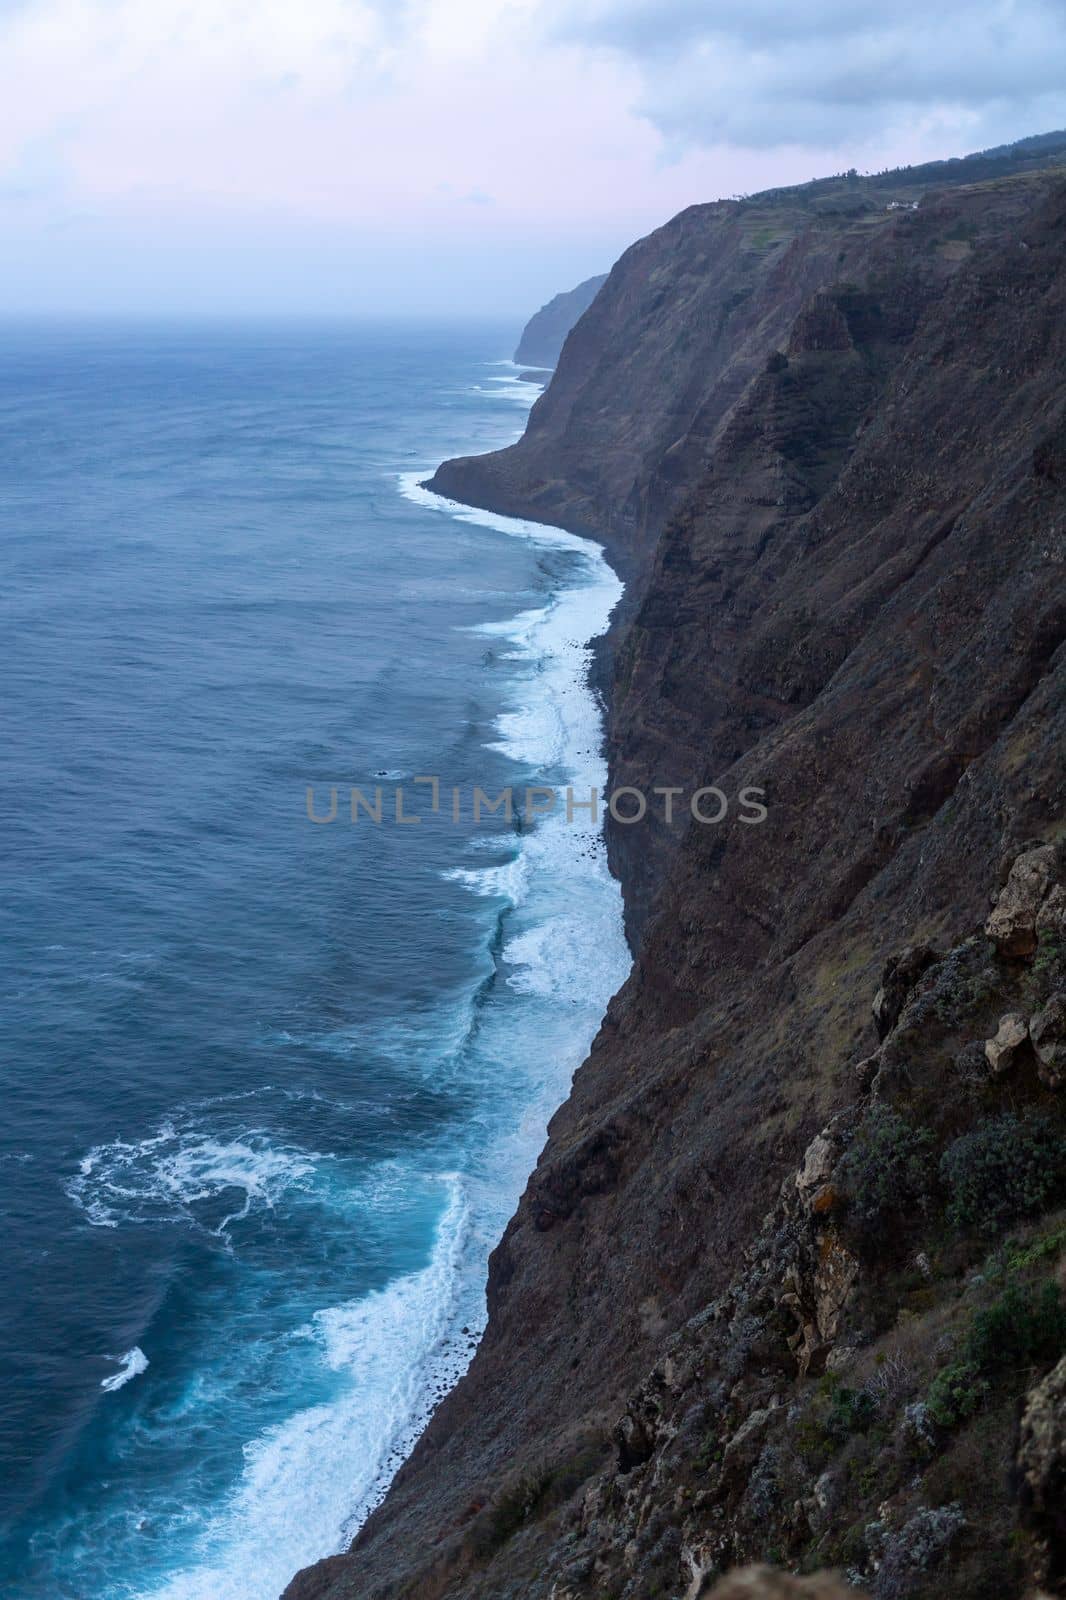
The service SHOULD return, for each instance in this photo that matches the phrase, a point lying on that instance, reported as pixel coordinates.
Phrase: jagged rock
(898, 979)
(841, 1358)
(697, 1560)
(1048, 1033)
(866, 1071)
(818, 1162)
(744, 1448)
(1051, 918)
(827, 1198)
(1012, 925)
(765, 1583)
(817, 1504)
(817, 1299)
(837, 1271)
(1042, 1457)
(893, 1073)
(1011, 1034)
(635, 1442)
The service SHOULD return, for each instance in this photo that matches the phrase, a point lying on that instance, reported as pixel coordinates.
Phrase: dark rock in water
(824, 450)
(545, 333)
(541, 375)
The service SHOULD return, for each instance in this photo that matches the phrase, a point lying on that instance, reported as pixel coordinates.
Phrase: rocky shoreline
(785, 1286)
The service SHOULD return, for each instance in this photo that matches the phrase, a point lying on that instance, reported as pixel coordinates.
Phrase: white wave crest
(508, 880)
(309, 1482)
(133, 1363)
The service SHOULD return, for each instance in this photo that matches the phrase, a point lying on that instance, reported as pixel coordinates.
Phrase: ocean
(272, 1087)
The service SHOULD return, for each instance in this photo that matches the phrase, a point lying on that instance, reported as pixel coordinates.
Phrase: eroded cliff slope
(545, 333)
(785, 1284)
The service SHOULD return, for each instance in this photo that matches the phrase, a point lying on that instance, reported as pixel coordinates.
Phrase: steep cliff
(787, 1272)
(684, 321)
(545, 333)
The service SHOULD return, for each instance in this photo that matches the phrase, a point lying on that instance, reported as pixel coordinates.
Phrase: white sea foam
(182, 1174)
(511, 387)
(572, 949)
(132, 1364)
(508, 880)
(310, 1481)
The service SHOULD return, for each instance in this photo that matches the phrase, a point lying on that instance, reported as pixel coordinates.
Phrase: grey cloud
(763, 72)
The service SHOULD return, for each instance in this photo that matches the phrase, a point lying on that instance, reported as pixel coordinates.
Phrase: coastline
(560, 728)
(564, 645)
(413, 1340)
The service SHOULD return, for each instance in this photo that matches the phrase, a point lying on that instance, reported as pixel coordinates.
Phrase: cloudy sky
(455, 156)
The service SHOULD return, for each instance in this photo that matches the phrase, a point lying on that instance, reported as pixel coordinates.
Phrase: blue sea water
(270, 1088)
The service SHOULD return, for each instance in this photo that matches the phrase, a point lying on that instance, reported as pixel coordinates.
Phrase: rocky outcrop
(742, 1312)
(1042, 1466)
(900, 975)
(1001, 1051)
(1013, 925)
(1048, 1033)
(545, 333)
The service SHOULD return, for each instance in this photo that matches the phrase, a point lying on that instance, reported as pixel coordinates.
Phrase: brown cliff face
(820, 501)
(545, 333)
(684, 321)
(834, 459)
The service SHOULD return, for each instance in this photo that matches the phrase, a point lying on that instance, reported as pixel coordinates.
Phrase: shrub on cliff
(1003, 1169)
(1048, 970)
(886, 1170)
(851, 1411)
(1024, 1327)
(955, 1394)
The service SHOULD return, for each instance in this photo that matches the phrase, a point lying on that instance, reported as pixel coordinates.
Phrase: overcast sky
(455, 156)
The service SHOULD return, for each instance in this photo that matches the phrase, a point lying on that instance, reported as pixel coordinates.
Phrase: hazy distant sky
(429, 156)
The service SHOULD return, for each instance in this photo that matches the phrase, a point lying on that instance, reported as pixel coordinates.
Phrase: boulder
(818, 1161)
(1012, 925)
(1001, 1051)
(1048, 1033)
(817, 1299)
(898, 979)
